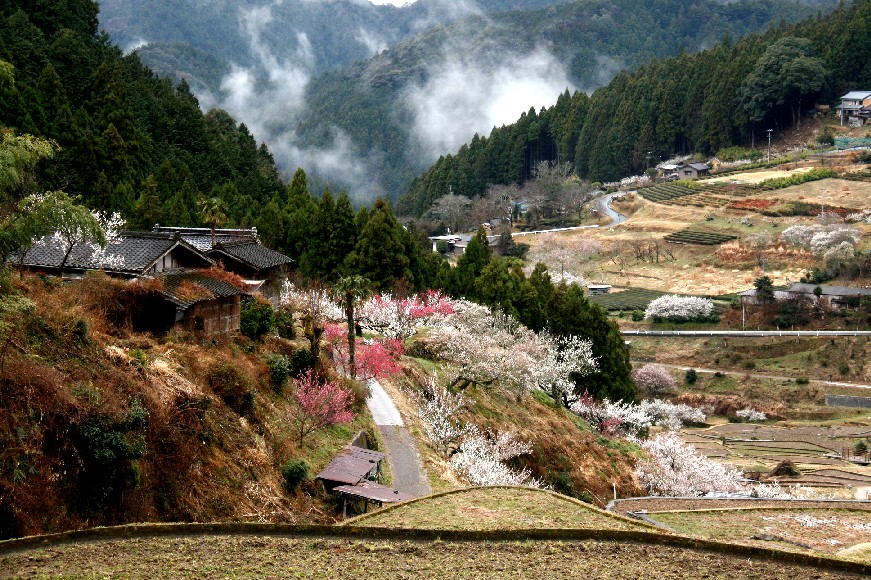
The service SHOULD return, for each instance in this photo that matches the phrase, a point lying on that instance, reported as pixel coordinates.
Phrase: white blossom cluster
(400, 318)
(495, 349)
(863, 216)
(481, 459)
(476, 456)
(675, 468)
(628, 419)
(315, 301)
(749, 414)
(111, 224)
(636, 181)
(822, 240)
(655, 379)
(568, 278)
(679, 308)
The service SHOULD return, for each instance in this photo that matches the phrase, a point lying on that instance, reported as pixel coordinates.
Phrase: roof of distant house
(857, 95)
(139, 250)
(829, 290)
(185, 288)
(351, 466)
(251, 254)
(201, 238)
(699, 166)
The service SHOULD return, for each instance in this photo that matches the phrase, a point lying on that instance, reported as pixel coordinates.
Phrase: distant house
(240, 252)
(693, 170)
(459, 242)
(855, 105)
(836, 297)
(683, 170)
(137, 254)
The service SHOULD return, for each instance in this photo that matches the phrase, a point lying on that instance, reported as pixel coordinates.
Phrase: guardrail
(747, 333)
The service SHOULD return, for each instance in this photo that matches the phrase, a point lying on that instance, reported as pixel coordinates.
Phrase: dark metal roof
(186, 288)
(369, 490)
(830, 290)
(251, 254)
(139, 250)
(352, 466)
(201, 238)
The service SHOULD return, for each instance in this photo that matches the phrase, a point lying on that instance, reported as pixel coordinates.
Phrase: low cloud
(269, 98)
(463, 96)
(135, 45)
(373, 43)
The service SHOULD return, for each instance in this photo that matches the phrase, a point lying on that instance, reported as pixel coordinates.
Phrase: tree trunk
(349, 315)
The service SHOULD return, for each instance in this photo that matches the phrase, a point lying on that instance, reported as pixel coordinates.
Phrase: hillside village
(669, 367)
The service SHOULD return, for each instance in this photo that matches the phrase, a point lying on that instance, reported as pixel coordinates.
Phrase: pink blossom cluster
(319, 403)
(373, 359)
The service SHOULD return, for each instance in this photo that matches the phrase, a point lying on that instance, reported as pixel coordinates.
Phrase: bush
(284, 323)
(295, 471)
(279, 370)
(231, 386)
(257, 318)
(802, 381)
(637, 315)
(861, 448)
(692, 376)
(300, 361)
(730, 154)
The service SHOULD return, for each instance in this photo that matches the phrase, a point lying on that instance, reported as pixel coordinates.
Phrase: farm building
(202, 303)
(240, 252)
(855, 108)
(836, 297)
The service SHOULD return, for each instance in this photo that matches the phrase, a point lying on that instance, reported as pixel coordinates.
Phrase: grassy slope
(66, 393)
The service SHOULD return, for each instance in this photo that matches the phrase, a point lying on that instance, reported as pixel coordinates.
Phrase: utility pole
(769, 145)
(823, 206)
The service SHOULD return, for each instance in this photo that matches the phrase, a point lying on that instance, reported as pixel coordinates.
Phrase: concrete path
(604, 204)
(400, 446)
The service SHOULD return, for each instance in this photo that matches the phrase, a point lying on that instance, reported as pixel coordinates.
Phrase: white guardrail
(748, 333)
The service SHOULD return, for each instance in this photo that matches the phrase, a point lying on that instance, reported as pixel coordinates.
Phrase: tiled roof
(857, 95)
(138, 249)
(201, 238)
(186, 288)
(252, 254)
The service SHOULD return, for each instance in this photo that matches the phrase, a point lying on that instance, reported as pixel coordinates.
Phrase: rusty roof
(351, 466)
(372, 491)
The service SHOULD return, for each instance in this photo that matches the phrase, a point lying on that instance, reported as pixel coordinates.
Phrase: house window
(199, 323)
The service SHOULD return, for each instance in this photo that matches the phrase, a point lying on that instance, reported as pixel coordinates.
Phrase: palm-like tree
(213, 213)
(352, 289)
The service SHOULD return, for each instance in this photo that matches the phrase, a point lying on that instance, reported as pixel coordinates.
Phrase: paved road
(747, 333)
(399, 445)
(604, 204)
(761, 375)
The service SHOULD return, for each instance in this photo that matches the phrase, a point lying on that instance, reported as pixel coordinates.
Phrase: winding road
(400, 446)
(604, 204)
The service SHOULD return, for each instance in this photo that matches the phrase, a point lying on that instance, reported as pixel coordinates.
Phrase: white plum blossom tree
(481, 458)
(655, 379)
(679, 308)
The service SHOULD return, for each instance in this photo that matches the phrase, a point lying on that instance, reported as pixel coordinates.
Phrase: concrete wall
(845, 401)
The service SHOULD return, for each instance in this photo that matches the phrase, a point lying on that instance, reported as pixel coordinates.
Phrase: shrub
(279, 370)
(655, 379)
(736, 153)
(692, 376)
(637, 315)
(802, 381)
(257, 318)
(295, 471)
(299, 362)
(284, 323)
(231, 386)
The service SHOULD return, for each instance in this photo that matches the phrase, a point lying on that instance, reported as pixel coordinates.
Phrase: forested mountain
(375, 125)
(201, 40)
(691, 103)
(129, 141)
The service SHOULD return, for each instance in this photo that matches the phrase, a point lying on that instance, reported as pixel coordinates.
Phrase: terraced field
(704, 238)
(629, 299)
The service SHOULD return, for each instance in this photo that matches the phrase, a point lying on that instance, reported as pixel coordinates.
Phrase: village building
(835, 297)
(855, 108)
(240, 252)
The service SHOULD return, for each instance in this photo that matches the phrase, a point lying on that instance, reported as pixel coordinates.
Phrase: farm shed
(350, 474)
(836, 297)
(204, 304)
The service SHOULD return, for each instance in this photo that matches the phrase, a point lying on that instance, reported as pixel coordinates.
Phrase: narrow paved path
(760, 375)
(399, 445)
(604, 203)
